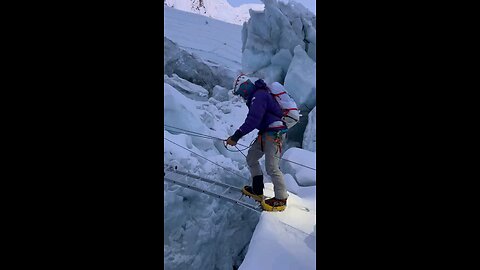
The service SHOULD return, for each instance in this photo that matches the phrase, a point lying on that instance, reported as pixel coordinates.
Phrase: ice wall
(192, 68)
(270, 37)
(310, 134)
(300, 81)
(279, 44)
(202, 232)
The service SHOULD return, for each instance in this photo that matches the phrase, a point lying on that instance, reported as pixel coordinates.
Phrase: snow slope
(217, 42)
(285, 240)
(202, 232)
(217, 9)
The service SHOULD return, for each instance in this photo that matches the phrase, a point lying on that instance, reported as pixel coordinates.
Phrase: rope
(251, 144)
(193, 133)
(240, 151)
(228, 169)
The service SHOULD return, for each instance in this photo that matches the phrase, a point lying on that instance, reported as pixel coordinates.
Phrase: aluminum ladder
(227, 192)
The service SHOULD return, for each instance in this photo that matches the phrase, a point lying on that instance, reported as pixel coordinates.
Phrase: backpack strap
(276, 95)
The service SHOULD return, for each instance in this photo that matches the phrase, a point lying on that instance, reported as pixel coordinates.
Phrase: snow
(218, 9)
(201, 58)
(284, 240)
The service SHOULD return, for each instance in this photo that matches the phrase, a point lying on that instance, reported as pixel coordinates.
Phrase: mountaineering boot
(274, 205)
(247, 190)
(256, 190)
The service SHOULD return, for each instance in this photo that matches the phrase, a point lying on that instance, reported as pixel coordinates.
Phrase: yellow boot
(248, 191)
(274, 205)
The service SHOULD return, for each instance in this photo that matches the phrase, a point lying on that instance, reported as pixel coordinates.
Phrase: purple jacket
(263, 110)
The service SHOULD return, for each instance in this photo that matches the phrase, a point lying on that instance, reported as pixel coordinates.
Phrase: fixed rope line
(228, 169)
(240, 151)
(212, 137)
(193, 133)
(189, 134)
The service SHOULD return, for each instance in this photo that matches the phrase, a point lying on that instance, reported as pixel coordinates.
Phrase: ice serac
(180, 111)
(300, 81)
(192, 68)
(310, 134)
(270, 34)
(195, 223)
(187, 88)
(279, 44)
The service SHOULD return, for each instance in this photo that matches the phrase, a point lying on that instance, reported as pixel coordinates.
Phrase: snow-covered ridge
(217, 9)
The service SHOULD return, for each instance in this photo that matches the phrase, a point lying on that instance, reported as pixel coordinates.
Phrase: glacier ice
(187, 88)
(303, 175)
(192, 68)
(279, 44)
(300, 80)
(268, 34)
(181, 111)
(220, 93)
(310, 134)
(196, 224)
(202, 232)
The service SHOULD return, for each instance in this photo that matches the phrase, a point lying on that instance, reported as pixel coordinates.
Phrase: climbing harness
(277, 138)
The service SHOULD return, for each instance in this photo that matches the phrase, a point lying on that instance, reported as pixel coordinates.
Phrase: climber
(264, 114)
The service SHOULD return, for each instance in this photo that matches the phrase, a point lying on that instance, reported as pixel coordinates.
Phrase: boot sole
(258, 198)
(270, 208)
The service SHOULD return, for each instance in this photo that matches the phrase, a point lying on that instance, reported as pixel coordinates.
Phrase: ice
(187, 88)
(304, 176)
(270, 37)
(195, 223)
(310, 135)
(180, 111)
(300, 80)
(220, 94)
(193, 68)
(279, 45)
(282, 59)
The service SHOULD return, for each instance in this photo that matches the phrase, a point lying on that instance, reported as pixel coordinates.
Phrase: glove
(231, 142)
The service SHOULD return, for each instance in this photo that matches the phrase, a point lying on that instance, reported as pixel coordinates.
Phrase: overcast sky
(310, 4)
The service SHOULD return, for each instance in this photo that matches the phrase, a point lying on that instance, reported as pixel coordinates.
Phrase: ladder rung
(211, 185)
(225, 192)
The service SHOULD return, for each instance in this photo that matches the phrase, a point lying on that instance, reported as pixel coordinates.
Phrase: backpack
(291, 113)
